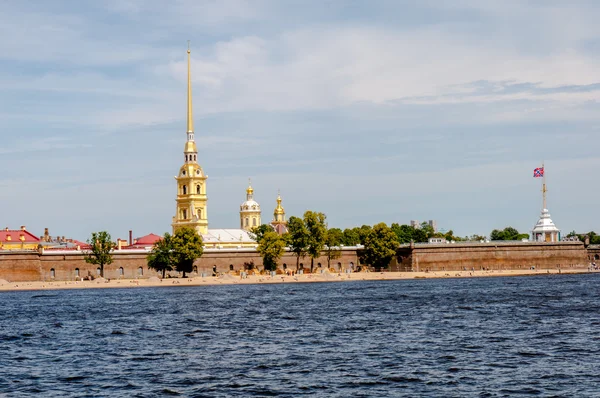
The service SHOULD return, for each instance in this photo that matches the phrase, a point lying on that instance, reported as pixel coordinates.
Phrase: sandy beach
(228, 279)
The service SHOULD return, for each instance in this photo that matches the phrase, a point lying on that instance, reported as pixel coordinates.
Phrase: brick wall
(493, 256)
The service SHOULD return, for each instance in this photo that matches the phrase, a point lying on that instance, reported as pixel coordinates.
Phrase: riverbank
(263, 279)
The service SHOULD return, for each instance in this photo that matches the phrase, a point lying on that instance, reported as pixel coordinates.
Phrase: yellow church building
(191, 201)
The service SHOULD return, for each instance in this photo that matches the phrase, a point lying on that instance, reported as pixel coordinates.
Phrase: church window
(254, 222)
(246, 221)
(183, 172)
(198, 189)
(184, 188)
(199, 213)
(183, 214)
(186, 158)
(197, 171)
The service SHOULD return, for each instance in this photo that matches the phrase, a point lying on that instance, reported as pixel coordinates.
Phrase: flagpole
(544, 186)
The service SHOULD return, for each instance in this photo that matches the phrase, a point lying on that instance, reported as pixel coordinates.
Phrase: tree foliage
(187, 247)
(271, 248)
(508, 233)
(380, 246)
(100, 253)
(257, 233)
(333, 240)
(317, 230)
(297, 238)
(350, 237)
(406, 233)
(161, 257)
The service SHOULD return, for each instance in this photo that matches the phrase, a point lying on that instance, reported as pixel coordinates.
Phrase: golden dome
(279, 209)
(249, 191)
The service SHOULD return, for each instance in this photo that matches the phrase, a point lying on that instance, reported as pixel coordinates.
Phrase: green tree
(100, 253)
(508, 233)
(297, 238)
(380, 246)
(363, 232)
(161, 256)
(333, 240)
(257, 233)
(428, 229)
(187, 247)
(350, 237)
(404, 233)
(317, 230)
(271, 248)
(420, 235)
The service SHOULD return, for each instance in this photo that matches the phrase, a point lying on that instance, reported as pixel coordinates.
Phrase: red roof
(15, 236)
(146, 241)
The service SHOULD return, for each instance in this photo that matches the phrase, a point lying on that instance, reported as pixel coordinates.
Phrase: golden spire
(250, 190)
(190, 120)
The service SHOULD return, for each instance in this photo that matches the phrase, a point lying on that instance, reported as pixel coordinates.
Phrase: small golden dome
(279, 209)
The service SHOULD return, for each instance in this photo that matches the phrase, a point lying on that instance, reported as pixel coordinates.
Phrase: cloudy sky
(367, 111)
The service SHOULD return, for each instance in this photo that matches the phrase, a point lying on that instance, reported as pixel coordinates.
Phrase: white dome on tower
(249, 211)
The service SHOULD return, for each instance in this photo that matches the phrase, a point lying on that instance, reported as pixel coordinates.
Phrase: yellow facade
(191, 199)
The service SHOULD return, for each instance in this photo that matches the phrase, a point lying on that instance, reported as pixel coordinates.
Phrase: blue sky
(367, 111)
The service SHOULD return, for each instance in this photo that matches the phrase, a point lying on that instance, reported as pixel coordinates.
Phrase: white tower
(249, 211)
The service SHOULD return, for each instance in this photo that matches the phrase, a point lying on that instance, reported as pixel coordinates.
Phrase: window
(596, 257)
(121, 272)
(254, 222)
(52, 273)
(230, 267)
(246, 221)
(183, 214)
(186, 158)
(198, 189)
(77, 272)
(184, 189)
(140, 271)
(199, 213)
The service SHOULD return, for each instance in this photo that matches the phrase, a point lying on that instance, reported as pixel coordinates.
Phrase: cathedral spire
(190, 119)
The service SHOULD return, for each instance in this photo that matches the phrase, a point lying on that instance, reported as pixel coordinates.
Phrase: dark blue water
(456, 337)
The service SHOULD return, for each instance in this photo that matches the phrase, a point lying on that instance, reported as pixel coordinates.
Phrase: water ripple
(488, 337)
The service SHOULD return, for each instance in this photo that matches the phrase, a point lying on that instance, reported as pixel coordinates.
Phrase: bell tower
(249, 210)
(191, 180)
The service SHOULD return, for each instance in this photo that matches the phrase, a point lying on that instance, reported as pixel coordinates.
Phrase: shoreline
(227, 279)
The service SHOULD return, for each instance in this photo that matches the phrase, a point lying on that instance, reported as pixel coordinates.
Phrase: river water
(485, 337)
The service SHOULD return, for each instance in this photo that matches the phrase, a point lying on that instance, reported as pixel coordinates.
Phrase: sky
(368, 111)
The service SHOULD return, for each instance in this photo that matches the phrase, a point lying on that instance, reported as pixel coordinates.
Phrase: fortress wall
(498, 256)
(20, 266)
(64, 266)
(32, 266)
(224, 259)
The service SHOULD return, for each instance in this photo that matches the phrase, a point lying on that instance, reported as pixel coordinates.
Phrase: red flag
(538, 172)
